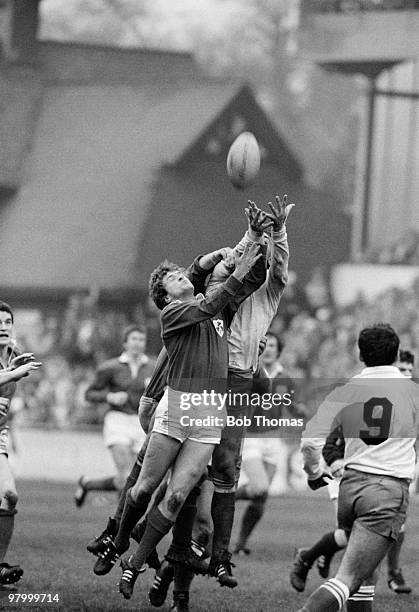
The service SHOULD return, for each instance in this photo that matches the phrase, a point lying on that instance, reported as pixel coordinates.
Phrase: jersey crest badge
(219, 326)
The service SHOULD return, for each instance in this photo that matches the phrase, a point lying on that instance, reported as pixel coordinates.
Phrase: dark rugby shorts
(379, 503)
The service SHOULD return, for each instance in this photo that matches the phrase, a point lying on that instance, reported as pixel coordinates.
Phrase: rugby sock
(180, 600)
(362, 600)
(100, 484)
(329, 597)
(132, 513)
(157, 527)
(7, 522)
(251, 517)
(182, 579)
(137, 533)
(222, 510)
(130, 482)
(325, 546)
(182, 530)
(393, 555)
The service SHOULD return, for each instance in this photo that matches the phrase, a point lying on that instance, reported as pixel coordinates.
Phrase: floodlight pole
(361, 200)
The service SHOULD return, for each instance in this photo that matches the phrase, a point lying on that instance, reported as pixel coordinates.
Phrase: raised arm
(258, 222)
(178, 315)
(278, 269)
(202, 266)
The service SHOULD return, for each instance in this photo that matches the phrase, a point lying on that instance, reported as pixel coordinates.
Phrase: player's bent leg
(8, 511)
(122, 458)
(355, 567)
(224, 477)
(180, 551)
(161, 452)
(326, 547)
(260, 475)
(100, 543)
(189, 466)
(203, 526)
(396, 581)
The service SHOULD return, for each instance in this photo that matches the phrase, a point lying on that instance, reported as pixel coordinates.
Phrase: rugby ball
(243, 160)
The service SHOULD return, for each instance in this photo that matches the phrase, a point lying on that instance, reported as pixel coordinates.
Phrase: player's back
(379, 418)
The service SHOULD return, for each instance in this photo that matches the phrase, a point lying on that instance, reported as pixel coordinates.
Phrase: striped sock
(362, 600)
(329, 597)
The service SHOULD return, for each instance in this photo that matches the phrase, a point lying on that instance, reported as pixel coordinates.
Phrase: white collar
(378, 371)
(123, 358)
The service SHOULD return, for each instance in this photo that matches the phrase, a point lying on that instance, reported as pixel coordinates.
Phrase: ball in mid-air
(243, 160)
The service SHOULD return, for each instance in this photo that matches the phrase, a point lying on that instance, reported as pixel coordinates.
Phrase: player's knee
(9, 501)
(341, 538)
(143, 487)
(175, 501)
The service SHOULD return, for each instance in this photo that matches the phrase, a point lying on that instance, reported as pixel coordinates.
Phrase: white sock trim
(364, 593)
(338, 589)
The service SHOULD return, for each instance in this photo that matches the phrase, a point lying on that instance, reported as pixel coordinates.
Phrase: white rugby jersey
(378, 411)
(255, 314)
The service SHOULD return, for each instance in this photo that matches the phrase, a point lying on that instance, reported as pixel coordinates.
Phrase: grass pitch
(51, 535)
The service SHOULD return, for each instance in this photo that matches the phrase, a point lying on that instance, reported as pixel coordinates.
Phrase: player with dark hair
(195, 339)
(149, 401)
(193, 332)
(406, 363)
(13, 367)
(325, 548)
(378, 412)
(248, 328)
(120, 382)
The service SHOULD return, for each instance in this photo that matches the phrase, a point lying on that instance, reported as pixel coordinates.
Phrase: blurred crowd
(70, 346)
(320, 343)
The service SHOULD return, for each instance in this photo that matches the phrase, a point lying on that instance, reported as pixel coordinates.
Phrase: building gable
(241, 113)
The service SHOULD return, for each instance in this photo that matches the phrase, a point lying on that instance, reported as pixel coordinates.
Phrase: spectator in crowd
(120, 383)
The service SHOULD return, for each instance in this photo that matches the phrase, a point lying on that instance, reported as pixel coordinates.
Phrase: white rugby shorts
(170, 420)
(123, 430)
(268, 450)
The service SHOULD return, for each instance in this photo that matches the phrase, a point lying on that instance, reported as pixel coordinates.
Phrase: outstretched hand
(21, 359)
(246, 262)
(257, 219)
(25, 369)
(280, 211)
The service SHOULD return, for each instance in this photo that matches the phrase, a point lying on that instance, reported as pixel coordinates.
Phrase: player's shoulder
(173, 305)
